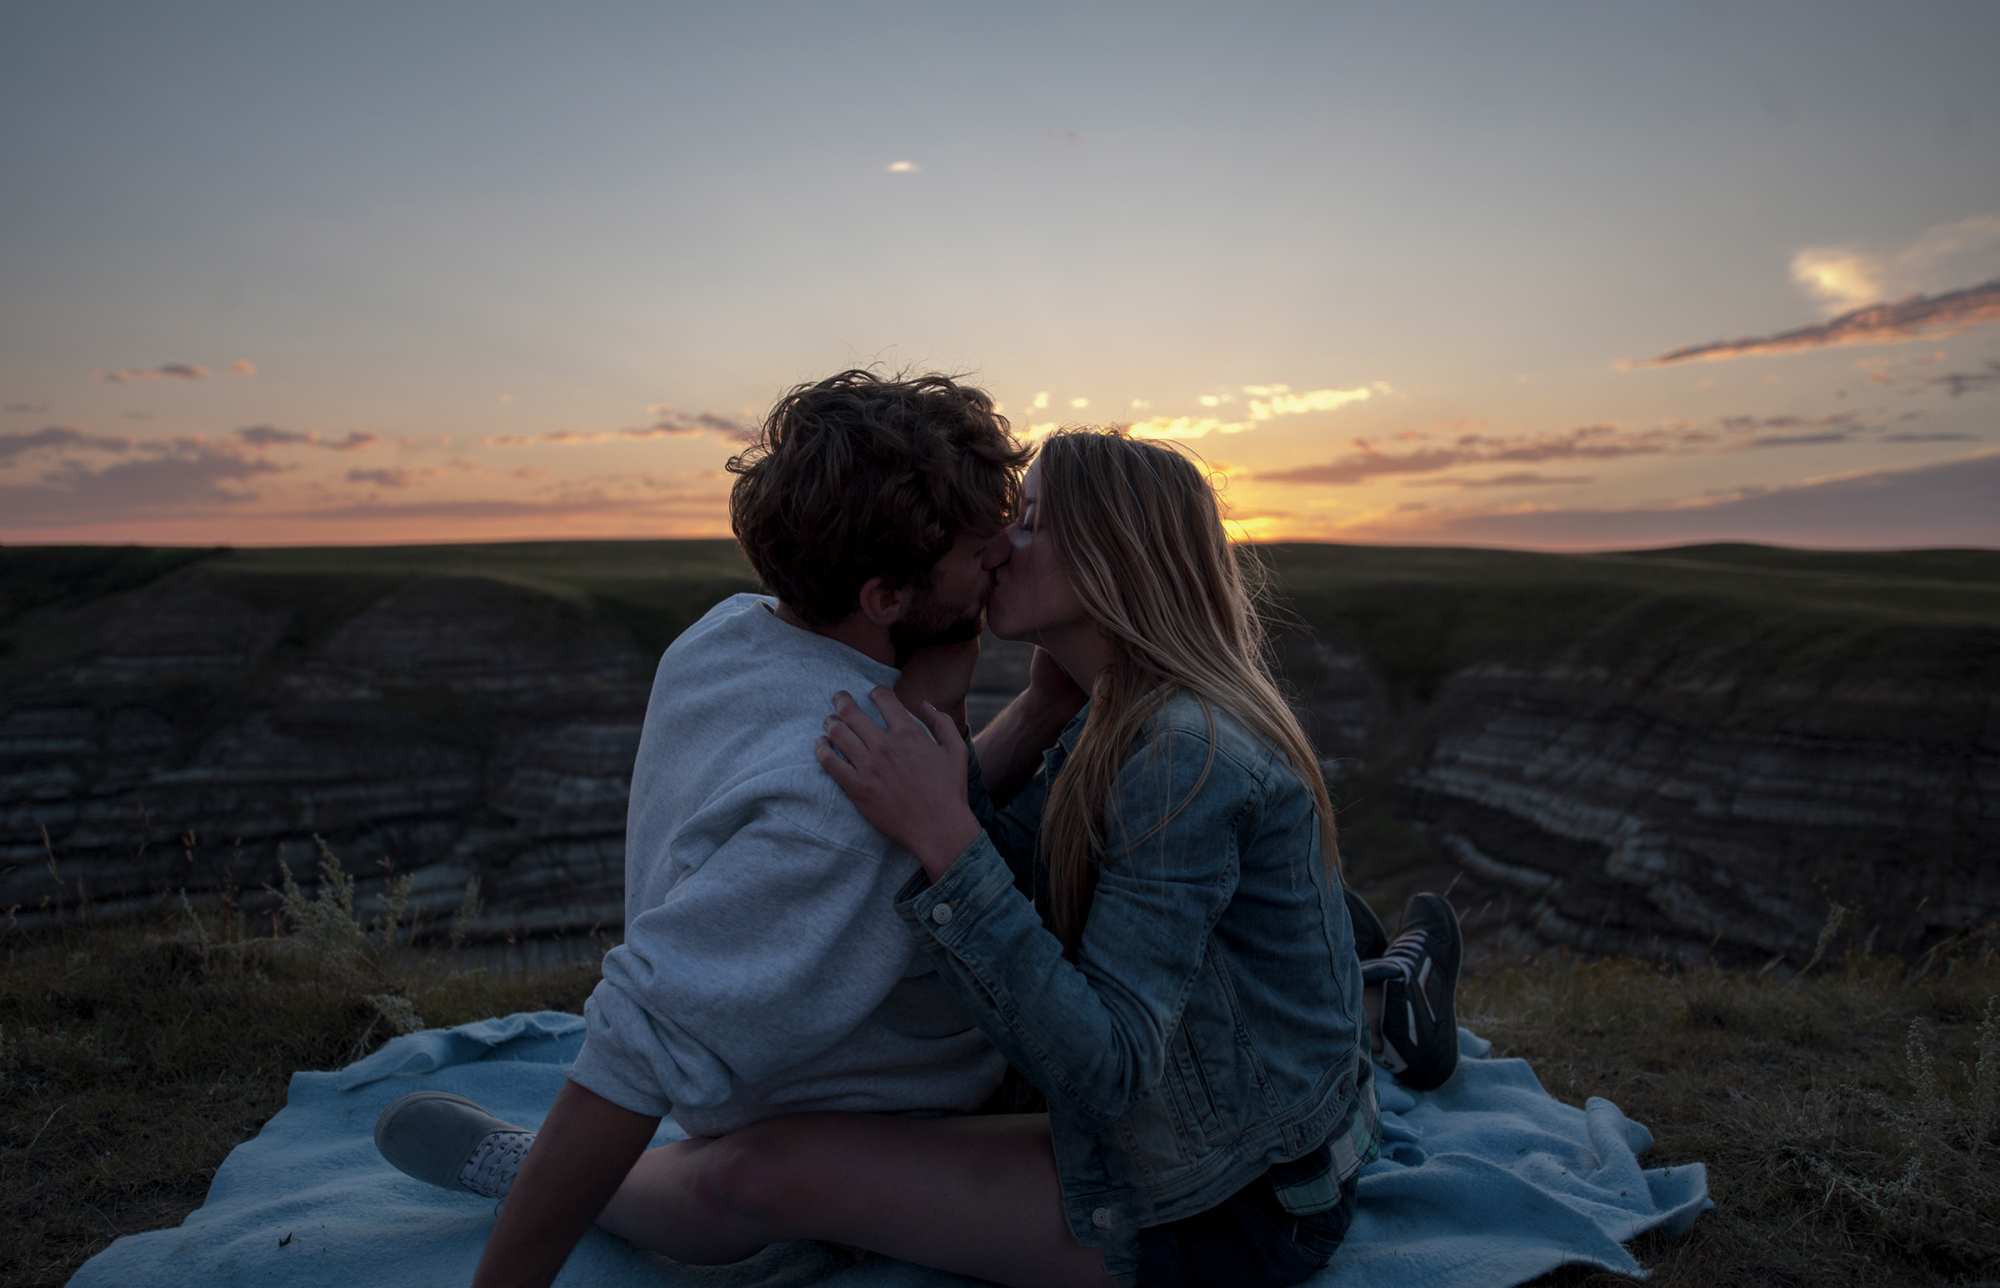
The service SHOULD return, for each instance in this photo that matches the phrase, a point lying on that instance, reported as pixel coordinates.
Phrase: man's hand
(940, 675)
(908, 779)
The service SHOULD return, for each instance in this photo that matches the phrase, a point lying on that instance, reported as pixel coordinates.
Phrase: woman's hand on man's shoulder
(907, 779)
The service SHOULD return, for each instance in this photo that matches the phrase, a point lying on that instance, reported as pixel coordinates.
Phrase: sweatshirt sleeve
(767, 955)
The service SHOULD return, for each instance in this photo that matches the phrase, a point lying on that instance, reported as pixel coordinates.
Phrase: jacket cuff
(944, 911)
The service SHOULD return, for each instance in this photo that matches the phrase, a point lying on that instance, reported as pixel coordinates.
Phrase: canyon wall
(1667, 756)
(1677, 755)
(452, 721)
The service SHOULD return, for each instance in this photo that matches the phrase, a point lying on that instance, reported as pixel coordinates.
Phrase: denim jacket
(1211, 1024)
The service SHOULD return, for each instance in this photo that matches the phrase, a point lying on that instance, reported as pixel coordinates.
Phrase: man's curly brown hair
(858, 476)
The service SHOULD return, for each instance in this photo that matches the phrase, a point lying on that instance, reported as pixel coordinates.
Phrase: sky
(1550, 276)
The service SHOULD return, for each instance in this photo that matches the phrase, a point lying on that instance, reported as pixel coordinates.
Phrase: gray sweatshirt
(764, 969)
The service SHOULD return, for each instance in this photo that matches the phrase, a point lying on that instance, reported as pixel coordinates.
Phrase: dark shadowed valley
(1679, 753)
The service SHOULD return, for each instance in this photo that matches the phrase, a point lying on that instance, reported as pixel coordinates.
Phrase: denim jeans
(1246, 1241)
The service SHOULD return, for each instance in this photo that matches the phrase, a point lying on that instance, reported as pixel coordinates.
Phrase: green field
(1418, 611)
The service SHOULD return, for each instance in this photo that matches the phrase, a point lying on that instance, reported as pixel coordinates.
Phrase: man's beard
(929, 622)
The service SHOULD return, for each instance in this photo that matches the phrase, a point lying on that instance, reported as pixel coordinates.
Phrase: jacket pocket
(1196, 1093)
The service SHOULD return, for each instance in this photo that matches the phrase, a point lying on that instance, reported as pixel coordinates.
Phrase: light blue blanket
(1486, 1182)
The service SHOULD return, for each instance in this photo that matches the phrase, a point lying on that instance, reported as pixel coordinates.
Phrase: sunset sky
(1561, 276)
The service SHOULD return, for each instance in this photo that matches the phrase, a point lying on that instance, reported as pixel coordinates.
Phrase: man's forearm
(585, 1148)
(1010, 747)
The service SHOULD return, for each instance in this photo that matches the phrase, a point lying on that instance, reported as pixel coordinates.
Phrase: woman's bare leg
(976, 1195)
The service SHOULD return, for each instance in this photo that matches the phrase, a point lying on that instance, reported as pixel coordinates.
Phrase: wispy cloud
(1583, 443)
(1907, 319)
(1845, 277)
(175, 371)
(389, 477)
(1518, 479)
(1271, 401)
(577, 502)
(1953, 503)
(186, 476)
(1184, 427)
(57, 437)
(903, 167)
(26, 409)
(165, 371)
(1267, 402)
(675, 424)
(271, 436)
(671, 424)
(1961, 383)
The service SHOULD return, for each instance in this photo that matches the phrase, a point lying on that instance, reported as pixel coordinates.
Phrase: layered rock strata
(1682, 772)
(190, 736)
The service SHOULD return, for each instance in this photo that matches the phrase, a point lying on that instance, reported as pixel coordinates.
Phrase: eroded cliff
(1679, 753)
(1673, 753)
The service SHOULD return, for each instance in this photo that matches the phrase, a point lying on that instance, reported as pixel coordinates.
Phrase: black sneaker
(1371, 939)
(1419, 974)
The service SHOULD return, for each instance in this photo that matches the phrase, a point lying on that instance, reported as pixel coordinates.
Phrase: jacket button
(941, 914)
(1101, 1218)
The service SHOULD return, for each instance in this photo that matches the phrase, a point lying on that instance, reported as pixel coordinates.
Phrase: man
(764, 969)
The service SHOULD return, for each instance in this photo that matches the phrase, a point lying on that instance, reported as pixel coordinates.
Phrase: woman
(1193, 1008)
(1152, 931)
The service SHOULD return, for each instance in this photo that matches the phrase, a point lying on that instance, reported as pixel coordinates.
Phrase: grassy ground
(1848, 1116)
(132, 1060)
(1850, 1119)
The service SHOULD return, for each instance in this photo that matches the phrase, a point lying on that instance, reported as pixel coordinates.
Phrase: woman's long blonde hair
(1138, 531)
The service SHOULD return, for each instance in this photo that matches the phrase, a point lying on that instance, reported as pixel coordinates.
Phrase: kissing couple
(1080, 999)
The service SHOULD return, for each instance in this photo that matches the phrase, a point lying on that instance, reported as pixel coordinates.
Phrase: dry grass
(1849, 1118)
(133, 1060)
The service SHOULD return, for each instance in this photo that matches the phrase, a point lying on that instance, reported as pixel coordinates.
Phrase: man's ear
(881, 605)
